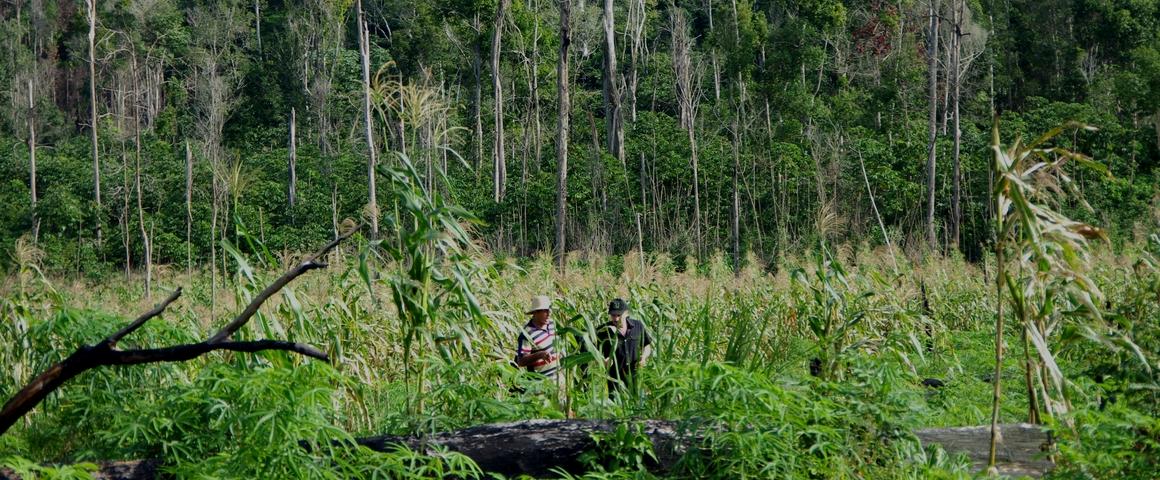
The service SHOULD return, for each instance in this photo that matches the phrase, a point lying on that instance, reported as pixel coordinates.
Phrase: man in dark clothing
(626, 345)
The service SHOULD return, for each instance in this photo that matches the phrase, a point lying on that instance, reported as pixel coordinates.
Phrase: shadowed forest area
(839, 222)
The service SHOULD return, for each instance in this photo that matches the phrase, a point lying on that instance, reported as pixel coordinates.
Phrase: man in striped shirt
(536, 349)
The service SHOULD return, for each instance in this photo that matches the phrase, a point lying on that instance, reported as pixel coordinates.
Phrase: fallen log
(1021, 449)
(536, 447)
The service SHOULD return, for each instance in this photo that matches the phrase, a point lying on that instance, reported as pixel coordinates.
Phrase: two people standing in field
(624, 343)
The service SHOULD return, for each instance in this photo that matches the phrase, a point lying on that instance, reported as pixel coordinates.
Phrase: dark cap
(617, 306)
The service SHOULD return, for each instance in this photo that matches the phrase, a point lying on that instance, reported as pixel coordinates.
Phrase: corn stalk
(1047, 280)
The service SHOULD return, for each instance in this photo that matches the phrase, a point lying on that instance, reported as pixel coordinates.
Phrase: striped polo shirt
(534, 339)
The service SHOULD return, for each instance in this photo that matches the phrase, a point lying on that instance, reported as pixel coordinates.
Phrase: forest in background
(831, 169)
(693, 126)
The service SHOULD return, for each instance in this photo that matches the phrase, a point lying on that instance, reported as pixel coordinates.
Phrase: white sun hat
(540, 302)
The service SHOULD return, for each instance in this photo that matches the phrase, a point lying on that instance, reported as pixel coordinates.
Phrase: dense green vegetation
(804, 92)
(730, 350)
(751, 175)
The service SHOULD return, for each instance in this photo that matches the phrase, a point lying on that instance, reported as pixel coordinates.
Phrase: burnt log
(537, 447)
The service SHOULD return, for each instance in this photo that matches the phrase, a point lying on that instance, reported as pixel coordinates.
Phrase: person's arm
(529, 358)
(524, 354)
(646, 342)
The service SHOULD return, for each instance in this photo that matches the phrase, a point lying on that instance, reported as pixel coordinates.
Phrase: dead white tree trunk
(682, 66)
(188, 210)
(477, 95)
(292, 181)
(32, 162)
(932, 71)
(954, 80)
(562, 125)
(146, 241)
(499, 170)
(612, 111)
(687, 97)
(636, 21)
(372, 152)
(258, 24)
(92, 38)
(538, 145)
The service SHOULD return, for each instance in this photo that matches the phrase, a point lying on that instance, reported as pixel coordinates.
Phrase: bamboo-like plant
(431, 287)
(1043, 259)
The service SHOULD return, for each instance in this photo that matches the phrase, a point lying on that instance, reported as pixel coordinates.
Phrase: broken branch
(105, 353)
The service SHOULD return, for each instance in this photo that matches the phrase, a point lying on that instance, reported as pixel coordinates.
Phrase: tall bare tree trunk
(477, 97)
(213, 224)
(499, 171)
(92, 38)
(32, 162)
(292, 181)
(687, 102)
(636, 20)
(735, 204)
(612, 113)
(365, 51)
(932, 54)
(682, 66)
(123, 218)
(538, 145)
(145, 239)
(258, 23)
(565, 111)
(696, 192)
(956, 176)
(188, 210)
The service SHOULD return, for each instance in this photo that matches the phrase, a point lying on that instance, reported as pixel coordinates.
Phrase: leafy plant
(625, 447)
(1047, 278)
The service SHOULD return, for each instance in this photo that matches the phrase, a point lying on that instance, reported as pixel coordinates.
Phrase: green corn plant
(831, 310)
(431, 285)
(1042, 262)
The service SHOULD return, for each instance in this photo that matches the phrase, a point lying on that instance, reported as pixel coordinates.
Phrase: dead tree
(969, 41)
(636, 51)
(612, 110)
(565, 107)
(477, 95)
(188, 210)
(32, 161)
(292, 180)
(146, 241)
(499, 172)
(932, 58)
(91, 8)
(365, 53)
(106, 353)
(688, 95)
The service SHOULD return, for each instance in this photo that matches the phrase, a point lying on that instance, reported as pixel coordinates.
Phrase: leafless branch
(105, 353)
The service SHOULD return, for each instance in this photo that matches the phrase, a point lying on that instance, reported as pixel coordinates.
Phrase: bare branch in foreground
(105, 353)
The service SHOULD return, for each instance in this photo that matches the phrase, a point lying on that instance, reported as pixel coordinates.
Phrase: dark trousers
(618, 380)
